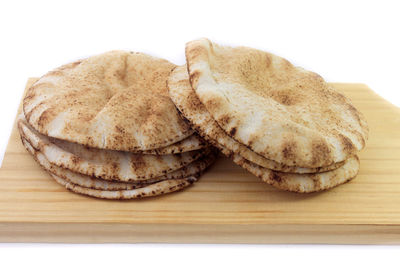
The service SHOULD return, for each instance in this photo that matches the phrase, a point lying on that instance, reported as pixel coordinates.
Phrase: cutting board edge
(199, 233)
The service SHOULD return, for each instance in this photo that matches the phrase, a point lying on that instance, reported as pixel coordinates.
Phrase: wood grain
(228, 205)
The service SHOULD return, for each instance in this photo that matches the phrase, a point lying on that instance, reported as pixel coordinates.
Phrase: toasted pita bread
(193, 142)
(106, 164)
(303, 183)
(282, 112)
(194, 111)
(296, 182)
(117, 100)
(159, 188)
(192, 170)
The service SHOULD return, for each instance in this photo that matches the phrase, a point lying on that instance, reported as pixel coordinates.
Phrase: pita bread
(282, 112)
(303, 183)
(192, 170)
(159, 188)
(185, 99)
(106, 164)
(193, 142)
(296, 182)
(117, 100)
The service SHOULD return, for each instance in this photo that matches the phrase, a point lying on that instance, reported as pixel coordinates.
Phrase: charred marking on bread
(232, 131)
(276, 177)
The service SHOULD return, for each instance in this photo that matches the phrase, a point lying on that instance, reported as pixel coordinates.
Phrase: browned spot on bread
(289, 150)
(114, 167)
(173, 187)
(57, 72)
(348, 146)
(75, 160)
(286, 97)
(232, 131)
(213, 103)
(225, 119)
(354, 112)
(362, 141)
(320, 151)
(46, 117)
(119, 129)
(276, 177)
(29, 114)
(194, 51)
(194, 77)
(137, 162)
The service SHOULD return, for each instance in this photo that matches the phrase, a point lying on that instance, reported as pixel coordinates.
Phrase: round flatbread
(159, 188)
(280, 111)
(193, 142)
(117, 100)
(303, 183)
(106, 164)
(185, 99)
(296, 182)
(192, 170)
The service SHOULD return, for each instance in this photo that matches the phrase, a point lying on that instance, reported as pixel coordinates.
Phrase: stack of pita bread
(125, 125)
(282, 123)
(106, 127)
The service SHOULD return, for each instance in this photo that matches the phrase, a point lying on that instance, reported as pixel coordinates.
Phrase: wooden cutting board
(228, 205)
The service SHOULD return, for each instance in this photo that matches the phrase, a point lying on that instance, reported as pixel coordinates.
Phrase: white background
(344, 41)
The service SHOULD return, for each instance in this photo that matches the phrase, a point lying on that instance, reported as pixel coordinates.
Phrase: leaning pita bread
(192, 170)
(300, 183)
(159, 188)
(117, 100)
(280, 111)
(106, 164)
(193, 142)
(193, 110)
(303, 183)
